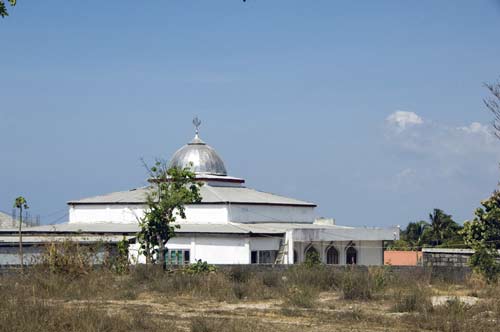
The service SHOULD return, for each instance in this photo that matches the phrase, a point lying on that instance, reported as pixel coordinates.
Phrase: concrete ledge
(448, 250)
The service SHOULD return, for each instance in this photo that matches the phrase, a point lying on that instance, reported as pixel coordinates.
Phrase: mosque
(233, 223)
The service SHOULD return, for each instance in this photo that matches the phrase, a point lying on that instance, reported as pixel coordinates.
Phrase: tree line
(440, 230)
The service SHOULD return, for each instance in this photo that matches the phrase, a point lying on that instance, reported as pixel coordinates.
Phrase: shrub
(28, 314)
(356, 285)
(380, 277)
(120, 263)
(69, 258)
(302, 297)
(485, 261)
(203, 324)
(318, 277)
(207, 324)
(272, 279)
(200, 267)
(239, 274)
(416, 298)
(312, 259)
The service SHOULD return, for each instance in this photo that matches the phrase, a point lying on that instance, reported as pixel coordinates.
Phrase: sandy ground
(330, 314)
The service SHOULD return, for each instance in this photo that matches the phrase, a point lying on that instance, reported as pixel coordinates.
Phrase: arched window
(351, 255)
(332, 256)
(312, 255)
(295, 257)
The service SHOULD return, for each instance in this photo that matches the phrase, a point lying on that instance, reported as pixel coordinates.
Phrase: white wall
(212, 249)
(236, 250)
(105, 213)
(206, 214)
(222, 250)
(369, 252)
(118, 213)
(264, 243)
(268, 213)
(200, 214)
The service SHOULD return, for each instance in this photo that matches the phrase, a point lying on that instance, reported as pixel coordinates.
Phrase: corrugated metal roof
(81, 239)
(302, 231)
(210, 195)
(79, 228)
(315, 232)
(5, 220)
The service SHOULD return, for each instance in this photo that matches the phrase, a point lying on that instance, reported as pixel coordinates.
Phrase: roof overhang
(200, 203)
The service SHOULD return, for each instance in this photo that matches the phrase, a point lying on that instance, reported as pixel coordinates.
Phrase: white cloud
(476, 128)
(402, 119)
(439, 150)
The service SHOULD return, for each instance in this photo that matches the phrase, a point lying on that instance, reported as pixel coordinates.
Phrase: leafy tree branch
(3, 7)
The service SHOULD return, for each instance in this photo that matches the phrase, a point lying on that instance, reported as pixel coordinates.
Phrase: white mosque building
(233, 224)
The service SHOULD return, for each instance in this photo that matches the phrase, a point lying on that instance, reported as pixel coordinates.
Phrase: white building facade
(233, 224)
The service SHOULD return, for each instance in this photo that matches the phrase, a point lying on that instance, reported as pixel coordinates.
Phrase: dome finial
(196, 123)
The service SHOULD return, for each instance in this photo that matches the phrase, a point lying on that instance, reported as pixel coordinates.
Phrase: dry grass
(298, 299)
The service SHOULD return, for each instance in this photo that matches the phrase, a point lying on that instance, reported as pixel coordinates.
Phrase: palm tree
(21, 203)
(415, 232)
(442, 226)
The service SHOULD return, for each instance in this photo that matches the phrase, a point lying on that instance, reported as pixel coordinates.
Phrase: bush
(312, 259)
(120, 263)
(272, 279)
(207, 324)
(356, 285)
(380, 277)
(200, 267)
(69, 258)
(318, 277)
(25, 314)
(239, 274)
(485, 261)
(416, 298)
(302, 297)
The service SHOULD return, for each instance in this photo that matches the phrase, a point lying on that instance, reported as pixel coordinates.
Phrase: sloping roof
(5, 220)
(316, 232)
(210, 195)
(40, 239)
(302, 231)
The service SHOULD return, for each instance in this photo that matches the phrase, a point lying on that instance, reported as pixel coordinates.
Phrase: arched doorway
(351, 255)
(312, 255)
(332, 255)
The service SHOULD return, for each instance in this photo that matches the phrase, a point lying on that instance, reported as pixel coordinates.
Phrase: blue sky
(371, 109)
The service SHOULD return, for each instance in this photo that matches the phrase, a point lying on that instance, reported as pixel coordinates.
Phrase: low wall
(435, 273)
(429, 273)
(403, 258)
(446, 257)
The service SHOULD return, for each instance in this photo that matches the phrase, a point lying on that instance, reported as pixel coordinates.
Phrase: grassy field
(298, 299)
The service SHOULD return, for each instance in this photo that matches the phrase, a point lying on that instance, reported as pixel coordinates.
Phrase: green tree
(443, 228)
(3, 7)
(172, 189)
(483, 235)
(312, 259)
(21, 203)
(416, 234)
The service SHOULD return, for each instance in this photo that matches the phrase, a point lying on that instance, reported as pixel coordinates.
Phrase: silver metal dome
(204, 158)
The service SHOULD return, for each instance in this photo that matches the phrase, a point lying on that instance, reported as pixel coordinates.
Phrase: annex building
(233, 223)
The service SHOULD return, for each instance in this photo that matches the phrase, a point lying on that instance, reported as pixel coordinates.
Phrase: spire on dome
(196, 123)
(196, 139)
(202, 158)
